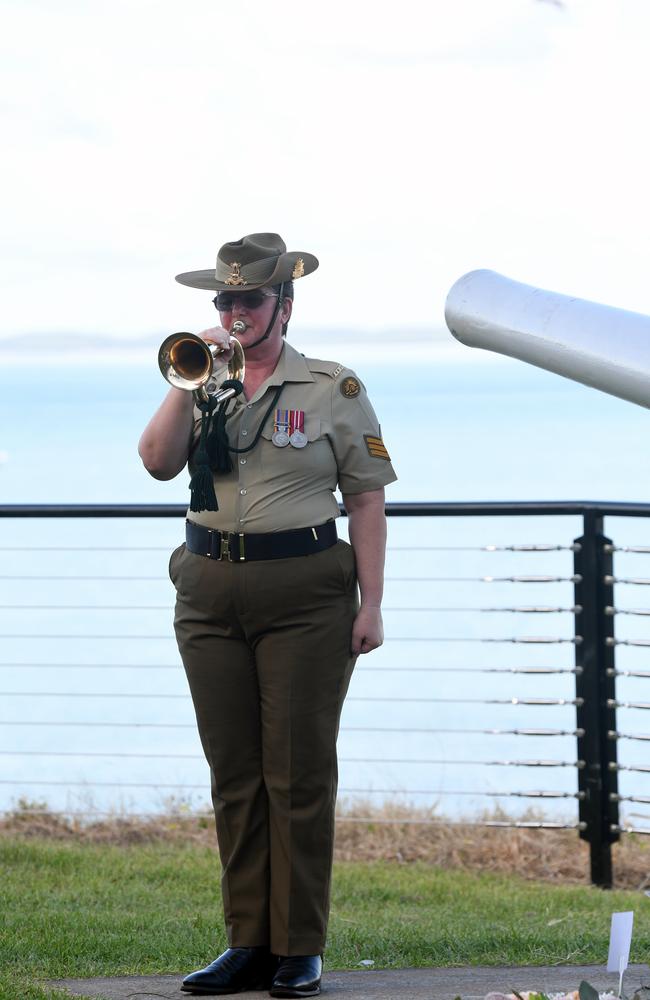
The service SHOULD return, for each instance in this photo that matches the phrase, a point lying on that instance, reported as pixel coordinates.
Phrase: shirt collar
(291, 367)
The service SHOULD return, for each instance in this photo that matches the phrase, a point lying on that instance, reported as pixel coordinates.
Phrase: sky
(402, 143)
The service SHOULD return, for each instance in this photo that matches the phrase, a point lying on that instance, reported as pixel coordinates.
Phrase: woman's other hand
(368, 630)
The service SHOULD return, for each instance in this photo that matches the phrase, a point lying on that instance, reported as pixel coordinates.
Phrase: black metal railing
(593, 611)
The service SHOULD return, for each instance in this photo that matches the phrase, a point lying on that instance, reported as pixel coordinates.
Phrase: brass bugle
(188, 362)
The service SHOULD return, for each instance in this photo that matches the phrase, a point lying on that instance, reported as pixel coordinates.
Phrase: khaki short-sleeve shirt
(277, 489)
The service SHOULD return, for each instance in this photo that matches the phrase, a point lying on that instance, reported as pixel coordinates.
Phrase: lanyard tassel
(202, 495)
(218, 446)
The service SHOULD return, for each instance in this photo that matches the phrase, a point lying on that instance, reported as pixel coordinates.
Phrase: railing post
(595, 691)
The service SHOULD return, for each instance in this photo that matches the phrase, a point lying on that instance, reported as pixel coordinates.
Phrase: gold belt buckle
(225, 547)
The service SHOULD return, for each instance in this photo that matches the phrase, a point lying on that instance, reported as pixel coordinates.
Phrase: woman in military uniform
(268, 617)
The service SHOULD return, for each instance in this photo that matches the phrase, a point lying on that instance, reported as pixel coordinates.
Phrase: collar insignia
(235, 278)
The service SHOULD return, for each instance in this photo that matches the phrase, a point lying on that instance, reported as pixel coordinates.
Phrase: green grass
(82, 910)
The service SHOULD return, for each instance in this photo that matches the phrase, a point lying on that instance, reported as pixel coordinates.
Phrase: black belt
(236, 547)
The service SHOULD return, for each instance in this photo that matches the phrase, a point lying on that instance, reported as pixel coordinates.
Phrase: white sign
(620, 938)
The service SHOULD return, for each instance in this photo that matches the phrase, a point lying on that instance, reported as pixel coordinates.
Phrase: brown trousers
(266, 649)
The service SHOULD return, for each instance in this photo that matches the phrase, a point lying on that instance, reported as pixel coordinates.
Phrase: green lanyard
(213, 452)
(242, 451)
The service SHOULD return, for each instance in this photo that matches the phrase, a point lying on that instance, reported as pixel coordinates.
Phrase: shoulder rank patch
(350, 387)
(376, 447)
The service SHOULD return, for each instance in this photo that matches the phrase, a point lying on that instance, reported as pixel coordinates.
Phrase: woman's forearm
(367, 527)
(165, 443)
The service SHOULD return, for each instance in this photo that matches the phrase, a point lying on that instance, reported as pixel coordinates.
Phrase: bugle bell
(188, 362)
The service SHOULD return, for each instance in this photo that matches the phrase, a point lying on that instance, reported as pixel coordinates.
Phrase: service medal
(280, 438)
(282, 430)
(297, 436)
(298, 439)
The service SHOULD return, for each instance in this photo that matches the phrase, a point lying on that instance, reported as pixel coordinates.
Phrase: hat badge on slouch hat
(235, 277)
(252, 262)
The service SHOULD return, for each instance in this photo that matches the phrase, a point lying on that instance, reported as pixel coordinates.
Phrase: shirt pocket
(314, 459)
(312, 431)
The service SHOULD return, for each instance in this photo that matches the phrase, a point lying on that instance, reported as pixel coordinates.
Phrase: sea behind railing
(460, 425)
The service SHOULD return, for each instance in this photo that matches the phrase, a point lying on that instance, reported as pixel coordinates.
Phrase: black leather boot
(298, 976)
(237, 970)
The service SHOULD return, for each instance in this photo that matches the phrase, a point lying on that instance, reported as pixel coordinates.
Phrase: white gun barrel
(601, 346)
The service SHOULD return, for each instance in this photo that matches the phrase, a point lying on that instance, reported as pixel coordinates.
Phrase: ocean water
(95, 709)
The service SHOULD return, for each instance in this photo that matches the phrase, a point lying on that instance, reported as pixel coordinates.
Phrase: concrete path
(387, 984)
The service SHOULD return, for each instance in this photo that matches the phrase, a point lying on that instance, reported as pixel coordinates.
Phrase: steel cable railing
(592, 579)
(359, 669)
(631, 681)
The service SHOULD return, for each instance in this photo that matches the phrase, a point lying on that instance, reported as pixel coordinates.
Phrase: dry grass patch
(406, 835)
(398, 833)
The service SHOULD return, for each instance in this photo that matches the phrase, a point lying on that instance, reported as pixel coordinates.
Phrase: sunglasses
(224, 301)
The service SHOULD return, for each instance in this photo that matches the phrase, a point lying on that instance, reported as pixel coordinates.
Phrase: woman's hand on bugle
(219, 335)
